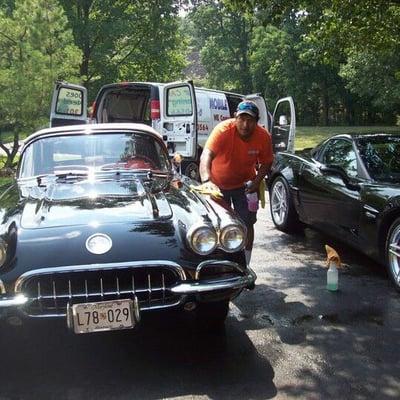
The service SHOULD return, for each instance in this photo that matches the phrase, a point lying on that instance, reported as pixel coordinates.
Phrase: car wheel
(393, 253)
(212, 315)
(191, 169)
(283, 213)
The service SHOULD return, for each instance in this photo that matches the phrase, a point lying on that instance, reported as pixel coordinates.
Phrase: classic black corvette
(349, 187)
(97, 228)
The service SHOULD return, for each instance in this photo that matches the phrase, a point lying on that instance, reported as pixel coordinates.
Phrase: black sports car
(349, 187)
(97, 228)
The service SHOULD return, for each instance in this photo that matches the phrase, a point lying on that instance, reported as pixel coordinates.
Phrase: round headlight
(3, 252)
(232, 238)
(203, 239)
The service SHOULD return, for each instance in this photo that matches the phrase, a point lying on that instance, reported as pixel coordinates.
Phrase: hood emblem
(99, 243)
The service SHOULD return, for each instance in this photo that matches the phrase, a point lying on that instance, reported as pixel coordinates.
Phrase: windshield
(92, 153)
(95, 152)
(381, 156)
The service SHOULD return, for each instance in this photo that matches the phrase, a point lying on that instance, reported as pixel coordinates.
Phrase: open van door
(69, 105)
(179, 118)
(265, 117)
(284, 125)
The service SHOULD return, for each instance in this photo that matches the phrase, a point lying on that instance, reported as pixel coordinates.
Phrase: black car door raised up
(327, 199)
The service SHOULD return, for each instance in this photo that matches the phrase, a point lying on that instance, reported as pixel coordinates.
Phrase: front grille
(49, 293)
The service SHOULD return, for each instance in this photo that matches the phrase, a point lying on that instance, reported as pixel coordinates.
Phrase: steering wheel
(110, 166)
(140, 162)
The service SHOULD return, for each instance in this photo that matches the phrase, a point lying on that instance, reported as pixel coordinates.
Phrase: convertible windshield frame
(93, 153)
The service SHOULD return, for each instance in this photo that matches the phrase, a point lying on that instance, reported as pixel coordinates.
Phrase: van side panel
(212, 108)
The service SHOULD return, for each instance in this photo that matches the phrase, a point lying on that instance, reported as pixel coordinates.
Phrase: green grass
(5, 181)
(310, 136)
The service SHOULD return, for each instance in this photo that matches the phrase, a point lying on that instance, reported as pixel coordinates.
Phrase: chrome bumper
(183, 288)
(241, 282)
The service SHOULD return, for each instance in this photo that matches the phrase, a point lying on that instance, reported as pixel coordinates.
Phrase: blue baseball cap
(247, 107)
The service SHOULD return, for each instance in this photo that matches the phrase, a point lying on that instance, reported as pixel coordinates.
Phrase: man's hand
(253, 187)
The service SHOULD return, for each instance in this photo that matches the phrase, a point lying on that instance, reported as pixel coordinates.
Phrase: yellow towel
(204, 190)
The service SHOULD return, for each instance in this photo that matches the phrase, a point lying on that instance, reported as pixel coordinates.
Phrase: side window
(179, 101)
(340, 152)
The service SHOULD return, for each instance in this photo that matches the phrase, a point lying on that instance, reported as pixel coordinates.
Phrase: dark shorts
(237, 199)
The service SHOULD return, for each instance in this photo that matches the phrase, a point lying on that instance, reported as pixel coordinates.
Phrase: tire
(392, 253)
(191, 169)
(283, 212)
(211, 316)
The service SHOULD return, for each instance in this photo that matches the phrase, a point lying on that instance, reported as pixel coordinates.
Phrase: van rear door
(69, 105)
(179, 118)
(284, 125)
(265, 117)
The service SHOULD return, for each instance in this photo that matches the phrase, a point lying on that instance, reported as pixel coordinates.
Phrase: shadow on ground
(167, 357)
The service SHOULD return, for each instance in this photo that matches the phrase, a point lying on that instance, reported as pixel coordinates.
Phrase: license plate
(103, 316)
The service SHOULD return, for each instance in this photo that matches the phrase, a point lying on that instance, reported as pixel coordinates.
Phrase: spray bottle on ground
(333, 263)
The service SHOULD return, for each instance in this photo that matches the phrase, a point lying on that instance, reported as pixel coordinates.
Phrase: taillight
(155, 109)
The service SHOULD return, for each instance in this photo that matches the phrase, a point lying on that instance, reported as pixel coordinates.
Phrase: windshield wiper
(70, 175)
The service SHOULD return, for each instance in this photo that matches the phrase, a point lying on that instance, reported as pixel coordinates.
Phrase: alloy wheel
(279, 202)
(394, 254)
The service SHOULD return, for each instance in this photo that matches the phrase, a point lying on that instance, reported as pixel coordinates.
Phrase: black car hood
(85, 203)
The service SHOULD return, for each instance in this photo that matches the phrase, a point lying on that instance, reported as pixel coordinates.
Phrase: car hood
(100, 202)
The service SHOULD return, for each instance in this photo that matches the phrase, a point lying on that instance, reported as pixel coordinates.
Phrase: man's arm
(262, 172)
(205, 165)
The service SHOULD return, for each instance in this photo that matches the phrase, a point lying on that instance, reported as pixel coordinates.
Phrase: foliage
(357, 40)
(310, 136)
(126, 40)
(223, 37)
(36, 48)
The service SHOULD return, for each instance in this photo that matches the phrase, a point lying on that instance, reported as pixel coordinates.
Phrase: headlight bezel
(197, 229)
(224, 231)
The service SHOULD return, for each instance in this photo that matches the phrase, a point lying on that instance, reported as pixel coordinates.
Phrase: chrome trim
(2, 287)
(18, 300)
(64, 314)
(241, 282)
(93, 267)
(95, 235)
(370, 209)
(216, 263)
(183, 289)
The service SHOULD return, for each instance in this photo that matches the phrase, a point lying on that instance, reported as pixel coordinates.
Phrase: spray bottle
(333, 263)
(252, 199)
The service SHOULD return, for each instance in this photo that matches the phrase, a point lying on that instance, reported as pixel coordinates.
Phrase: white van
(182, 114)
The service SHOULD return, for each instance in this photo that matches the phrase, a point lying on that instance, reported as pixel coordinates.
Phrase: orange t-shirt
(234, 159)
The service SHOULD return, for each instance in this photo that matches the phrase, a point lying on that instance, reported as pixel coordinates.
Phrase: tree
(223, 37)
(126, 40)
(36, 48)
(359, 39)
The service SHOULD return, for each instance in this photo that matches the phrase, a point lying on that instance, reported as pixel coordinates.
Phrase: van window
(179, 101)
(69, 101)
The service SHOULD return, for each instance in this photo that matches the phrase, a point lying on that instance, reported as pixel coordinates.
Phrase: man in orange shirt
(232, 152)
